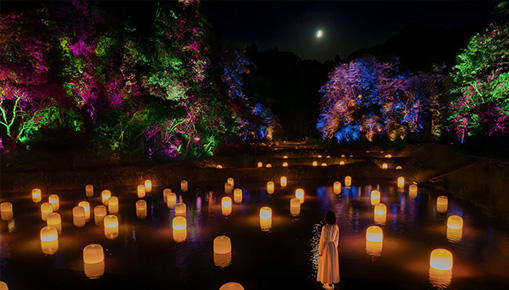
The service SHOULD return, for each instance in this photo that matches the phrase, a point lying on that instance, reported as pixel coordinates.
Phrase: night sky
(347, 25)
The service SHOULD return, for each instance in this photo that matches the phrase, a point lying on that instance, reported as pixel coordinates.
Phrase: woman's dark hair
(330, 218)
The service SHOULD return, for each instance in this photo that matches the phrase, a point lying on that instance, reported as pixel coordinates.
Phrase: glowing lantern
(93, 253)
(49, 240)
(3, 286)
(265, 218)
(442, 202)
(78, 216)
(99, 213)
(184, 185)
(375, 197)
(299, 193)
(319, 156)
(86, 207)
(166, 191)
(348, 181)
(237, 195)
(285, 157)
(54, 220)
(268, 165)
(342, 155)
(388, 156)
(285, 164)
(294, 206)
(283, 181)
(46, 208)
(324, 164)
(454, 228)
(6, 211)
(113, 205)
(179, 225)
(219, 167)
(171, 199)
(455, 222)
(141, 191)
(231, 181)
(337, 187)
(440, 271)
(401, 182)
(384, 166)
(231, 286)
(111, 226)
(228, 188)
(399, 167)
(89, 190)
(374, 241)
(180, 209)
(105, 195)
(260, 164)
(222, 245)
(351, 156)
(141, 209)
(270, 187)
(148, 185)
(55, 202)
(412, 191)
(315, 163)
(328, 156)
(341, 162)
(226, 205)
(36, 195)
(380, 213)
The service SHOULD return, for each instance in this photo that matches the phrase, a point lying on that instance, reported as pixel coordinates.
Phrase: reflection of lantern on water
(384, 166)
(105, 195)
(46, 208)
(440, 271)
(111, 226)
(78, 216)
(171, 199)
(6, 211)
(268, 165)
(184, 185)
(148, 185)
(223, 260)
(348, 181)
(380, 213)
(36, 195)
(113, 205)
(374, 241)
(141, 209)
(315, 163)
(442, 202)
(337, 187)
(222, 245)
(237, 195)
(141, 191)
(231, 181)
(179, 225)
(86, 207)
(265, 218)
(49, 240)
(180, 209)
(283, 181)
(375, 197)
(55, 201)
(226, 205)
(93, 259)
(99, 213)
(341, 162)
(228, 188)
(454, 228)
(401, 182)
(260, 164)
(299, 193)
(89, 190)
(54, 220)
(294, 206)
(412, 191)
(231, 286)
(270, 187)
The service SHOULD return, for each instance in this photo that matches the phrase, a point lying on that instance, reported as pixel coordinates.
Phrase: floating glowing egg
(180, 209)
(337, 187)
(36, 195)
(226, 205)
(228, 188)
(299, 193)
(268, 165)
(237, 195)
(89, 190)
(380, 213)
(285, 164)
(6, 211)
(49, 240)
(141, 191)
(265, 218)
(270, 187)
(374, 241)
(341, 162)
(141, 209)
(384, 166)
(222, 245)
(231, 286)
(348, 181)
(375, 197)
(86, 207)
(401, 182)
(99, 213)
(111, 226)
(315, 163)
(171, 199)
(46, 208)
(283, 181)
(184, 185)
(113, 205)
(166, 191)
(295, 206)
(179, 225)
(412, 191)
(105, 195)
(260, 164)
(54, 220)
(55, 201)
(78, 216)
(93, 253)
(442, 203)
(148, 185)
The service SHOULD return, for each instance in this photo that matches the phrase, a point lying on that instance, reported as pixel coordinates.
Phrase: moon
(319, 33)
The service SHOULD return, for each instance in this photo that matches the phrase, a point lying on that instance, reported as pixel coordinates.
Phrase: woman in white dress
(328, 263)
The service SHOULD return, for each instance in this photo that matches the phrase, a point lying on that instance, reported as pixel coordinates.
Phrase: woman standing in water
(328, 263)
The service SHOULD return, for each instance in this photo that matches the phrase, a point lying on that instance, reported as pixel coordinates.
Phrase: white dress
(328, 263)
